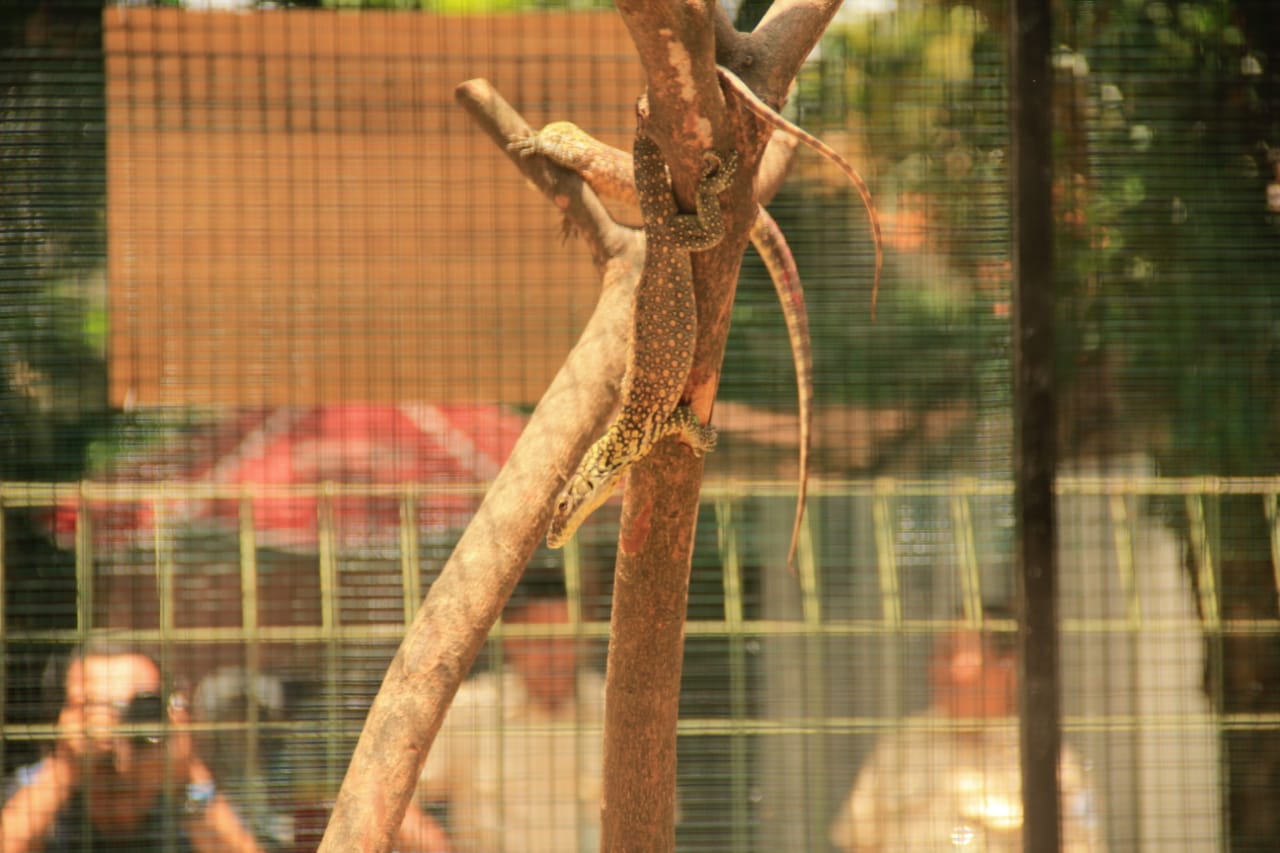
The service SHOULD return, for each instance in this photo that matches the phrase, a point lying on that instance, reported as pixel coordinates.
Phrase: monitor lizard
(609, 171)
(663, 335)
(605, 169)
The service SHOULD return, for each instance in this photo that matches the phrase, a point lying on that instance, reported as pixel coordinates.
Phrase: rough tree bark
(680, 44)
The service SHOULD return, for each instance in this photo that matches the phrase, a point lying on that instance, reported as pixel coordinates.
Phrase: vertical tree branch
(688, 115)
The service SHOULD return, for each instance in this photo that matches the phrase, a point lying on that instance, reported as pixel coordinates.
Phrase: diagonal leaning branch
(465, 601)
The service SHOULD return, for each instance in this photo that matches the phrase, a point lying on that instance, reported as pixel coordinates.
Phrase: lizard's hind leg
(700, 437)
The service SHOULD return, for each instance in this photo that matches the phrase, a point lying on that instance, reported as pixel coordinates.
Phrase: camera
(146, 709)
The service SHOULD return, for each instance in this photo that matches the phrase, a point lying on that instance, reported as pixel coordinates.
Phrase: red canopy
(440, 449)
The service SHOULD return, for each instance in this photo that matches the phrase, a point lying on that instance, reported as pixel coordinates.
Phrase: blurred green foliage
(1172, 249)
(1167, 137)
(915, 101)
(52, 241)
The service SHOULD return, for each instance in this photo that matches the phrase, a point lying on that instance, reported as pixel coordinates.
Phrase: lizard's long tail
(767, 114)
(773, 249)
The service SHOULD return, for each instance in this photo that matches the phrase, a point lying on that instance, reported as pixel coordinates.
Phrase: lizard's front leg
(606, 169)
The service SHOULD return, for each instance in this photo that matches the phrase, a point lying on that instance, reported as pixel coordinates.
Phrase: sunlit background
(273, 313)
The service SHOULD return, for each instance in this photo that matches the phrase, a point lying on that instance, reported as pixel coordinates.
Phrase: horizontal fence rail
(779, 669)
(156, 541)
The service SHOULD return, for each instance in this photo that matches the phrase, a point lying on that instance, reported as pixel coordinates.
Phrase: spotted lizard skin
(609, 171)
(663, 335)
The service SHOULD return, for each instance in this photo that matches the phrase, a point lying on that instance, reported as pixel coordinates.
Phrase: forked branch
(449, 629)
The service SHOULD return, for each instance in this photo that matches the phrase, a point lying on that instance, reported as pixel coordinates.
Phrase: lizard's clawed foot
(525, 145)
(549, 141)
(704, 439)
(700, 437)
(717, 172)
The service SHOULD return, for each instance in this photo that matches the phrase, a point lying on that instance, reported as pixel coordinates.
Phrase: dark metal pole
(1035, 445)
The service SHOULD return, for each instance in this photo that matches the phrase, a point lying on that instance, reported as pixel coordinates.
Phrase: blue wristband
(199, 795)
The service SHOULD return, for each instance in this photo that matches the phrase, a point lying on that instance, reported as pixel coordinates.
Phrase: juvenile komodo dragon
(608, 170)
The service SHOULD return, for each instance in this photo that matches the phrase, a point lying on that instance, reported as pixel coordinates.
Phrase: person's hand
(184, 764)
(70, 747)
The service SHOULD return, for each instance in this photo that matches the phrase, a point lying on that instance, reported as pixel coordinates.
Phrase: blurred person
(122, 773)
(950, 778)
(518, 757)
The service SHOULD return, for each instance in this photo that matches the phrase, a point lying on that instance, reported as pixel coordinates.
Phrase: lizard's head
(581, 496)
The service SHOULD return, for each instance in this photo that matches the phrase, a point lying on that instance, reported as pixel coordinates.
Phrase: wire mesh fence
(275, 314)
(788, 682)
